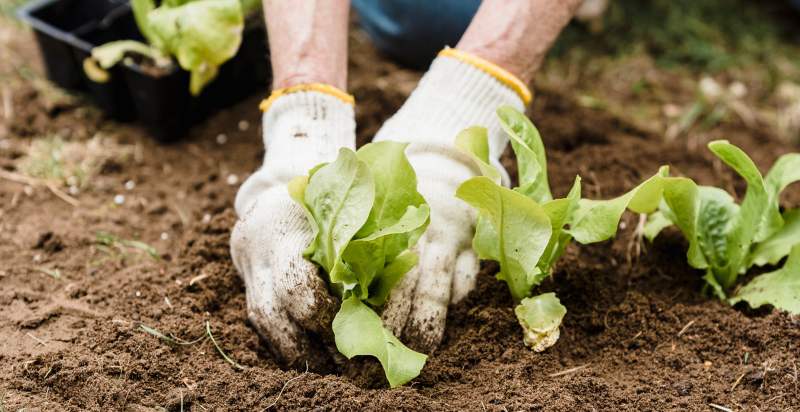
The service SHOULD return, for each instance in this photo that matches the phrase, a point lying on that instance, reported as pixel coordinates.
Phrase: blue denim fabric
(413, 31)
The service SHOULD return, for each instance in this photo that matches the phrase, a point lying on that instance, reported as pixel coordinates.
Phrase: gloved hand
(459, 90)
(286, 298)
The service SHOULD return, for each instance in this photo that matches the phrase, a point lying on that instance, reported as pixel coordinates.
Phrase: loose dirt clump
(637, 336)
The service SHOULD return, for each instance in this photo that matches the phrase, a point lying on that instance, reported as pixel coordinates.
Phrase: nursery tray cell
(67, 30)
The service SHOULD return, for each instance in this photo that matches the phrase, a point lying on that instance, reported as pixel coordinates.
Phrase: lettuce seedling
(726, 238)
(366, 214)
(526, 230)
(200, 34)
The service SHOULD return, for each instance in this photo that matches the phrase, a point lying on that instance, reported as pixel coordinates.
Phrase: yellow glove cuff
(307, 87)
(502, 75)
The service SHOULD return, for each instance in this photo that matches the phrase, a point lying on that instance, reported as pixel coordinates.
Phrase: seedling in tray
(366, 214)
(527, 231)
(200, 34)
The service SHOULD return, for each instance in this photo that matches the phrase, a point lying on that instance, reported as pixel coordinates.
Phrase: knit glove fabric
(459, 90)
(286, 297)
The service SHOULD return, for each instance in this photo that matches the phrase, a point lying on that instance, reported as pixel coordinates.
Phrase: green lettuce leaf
(339, 197)
(366, 213)
(358, 331)
(529, 150)
(540, 318)
(367, 257)
(752, 210)
(514, 231)
(202, 35)
(395, 184)
(726, 238)
(597, 220)
(656, 222)
(784, 172)
(474, 141)
(560, 212)
(778, 246)
(780, 288)
(109, 54)
(391, 276)
(141, 10)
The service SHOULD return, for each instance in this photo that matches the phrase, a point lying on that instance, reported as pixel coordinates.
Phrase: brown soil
(638, 334)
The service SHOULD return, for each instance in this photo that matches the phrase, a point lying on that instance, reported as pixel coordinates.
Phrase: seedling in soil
(200, 34)
(526, 230)
(118, 249)
(366, 214)
(726, 239)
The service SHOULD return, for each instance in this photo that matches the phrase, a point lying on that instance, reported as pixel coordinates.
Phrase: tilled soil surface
(638, 334)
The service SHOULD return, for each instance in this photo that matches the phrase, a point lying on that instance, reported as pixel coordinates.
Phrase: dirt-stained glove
(286, 298)
(459, 90)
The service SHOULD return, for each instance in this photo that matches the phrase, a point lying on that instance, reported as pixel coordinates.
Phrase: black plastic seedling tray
(67, 30)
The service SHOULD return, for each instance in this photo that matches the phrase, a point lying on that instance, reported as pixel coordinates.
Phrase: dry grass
(71, 164)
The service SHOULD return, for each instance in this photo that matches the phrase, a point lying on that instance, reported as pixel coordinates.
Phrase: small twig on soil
(181, 215)
(171, 338)
(50, 369)
(285, 385)
(738, 380)
(26, 180)
(219, 349)
(41, 342)
(767, 370)
(63, 196)
(774, 398)
(568, 371)
(685, 328)
(190, 386)
(197, 278)
(18, 178)
(720, 407)
(8, 107)
(53, 273)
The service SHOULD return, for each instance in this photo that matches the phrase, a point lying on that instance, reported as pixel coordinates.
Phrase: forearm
(516, 35)
(308, 41)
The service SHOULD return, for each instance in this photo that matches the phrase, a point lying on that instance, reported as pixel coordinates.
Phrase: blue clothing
(403, 29)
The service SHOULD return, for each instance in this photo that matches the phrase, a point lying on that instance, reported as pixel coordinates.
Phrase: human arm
(308, 40)
(516, 35)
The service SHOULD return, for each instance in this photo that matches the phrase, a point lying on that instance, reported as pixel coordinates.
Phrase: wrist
(310, 76)
(454, 94)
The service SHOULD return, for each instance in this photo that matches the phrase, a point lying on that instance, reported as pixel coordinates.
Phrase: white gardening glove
(286, 297)
(459, 90)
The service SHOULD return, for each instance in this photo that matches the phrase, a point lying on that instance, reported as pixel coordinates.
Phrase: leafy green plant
(526, 230)
(118, 249)
(726, 239)
(366, 213)
(200, 34)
